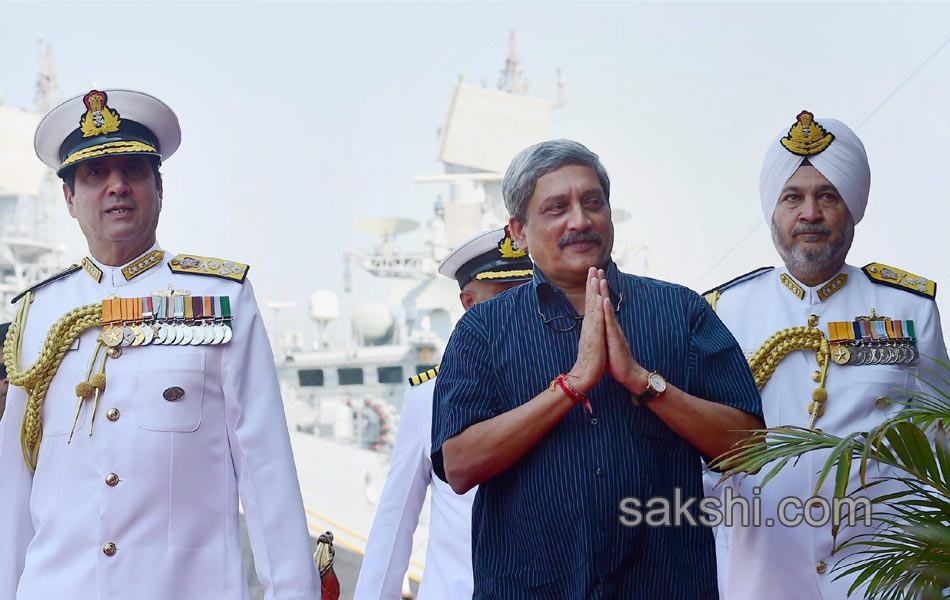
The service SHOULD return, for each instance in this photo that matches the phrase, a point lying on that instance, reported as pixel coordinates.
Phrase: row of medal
(173, 319)
(873, 341)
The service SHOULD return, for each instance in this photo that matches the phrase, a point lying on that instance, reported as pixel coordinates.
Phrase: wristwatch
(656, 385)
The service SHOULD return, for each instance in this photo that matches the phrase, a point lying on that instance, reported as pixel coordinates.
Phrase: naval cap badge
(807, 137)
(98, 118)
(508, 248)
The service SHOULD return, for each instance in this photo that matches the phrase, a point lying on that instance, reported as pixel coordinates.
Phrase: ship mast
(46, 82)
(47, 92)
(512, 78)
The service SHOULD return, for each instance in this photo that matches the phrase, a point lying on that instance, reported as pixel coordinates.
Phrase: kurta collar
(547, 291)
(116, 277)
(814, 294)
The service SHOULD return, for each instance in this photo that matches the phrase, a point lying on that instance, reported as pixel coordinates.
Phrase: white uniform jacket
(159, 479)
(796, 562)
(448, 572)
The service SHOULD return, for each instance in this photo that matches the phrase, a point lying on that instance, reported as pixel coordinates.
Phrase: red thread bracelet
(572, 392)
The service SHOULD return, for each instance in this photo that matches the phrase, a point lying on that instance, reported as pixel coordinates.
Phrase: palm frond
(908, 554)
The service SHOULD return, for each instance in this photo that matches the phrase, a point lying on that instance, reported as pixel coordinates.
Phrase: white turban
(842, 161)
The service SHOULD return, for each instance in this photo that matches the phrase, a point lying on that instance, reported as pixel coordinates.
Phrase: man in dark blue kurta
(564, 396)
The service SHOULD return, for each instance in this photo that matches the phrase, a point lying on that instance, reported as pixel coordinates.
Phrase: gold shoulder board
(712, 296)
(424, 376)
(898, 278)
(208, 266)
(65, 272)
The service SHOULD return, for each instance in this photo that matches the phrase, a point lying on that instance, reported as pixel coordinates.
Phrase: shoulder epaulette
(65, 272)
(712, 296)
(208, 266)
(424, 376)
(900, 279)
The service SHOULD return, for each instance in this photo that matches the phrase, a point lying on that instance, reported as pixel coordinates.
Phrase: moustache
(823, 229)
(584, 236)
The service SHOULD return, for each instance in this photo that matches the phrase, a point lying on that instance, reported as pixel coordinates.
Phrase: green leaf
(842, 476)
(899, 446)
(942, 447)
(841, 449)
(918, 449)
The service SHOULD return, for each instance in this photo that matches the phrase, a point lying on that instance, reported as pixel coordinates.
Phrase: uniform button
(599, 472)
(882, 402)
(112, 414)
(112, 480)
(109, 549)
(821, 567)
(593, 421)
(173, 394)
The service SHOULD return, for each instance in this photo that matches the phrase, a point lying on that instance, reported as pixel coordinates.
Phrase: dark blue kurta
(549, 526)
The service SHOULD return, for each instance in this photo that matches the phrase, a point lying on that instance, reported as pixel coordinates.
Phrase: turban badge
(807, 137)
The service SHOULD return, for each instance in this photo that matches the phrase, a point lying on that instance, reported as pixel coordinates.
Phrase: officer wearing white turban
(882, 329)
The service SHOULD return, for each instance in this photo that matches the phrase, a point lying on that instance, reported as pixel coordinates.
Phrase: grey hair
(534, 162)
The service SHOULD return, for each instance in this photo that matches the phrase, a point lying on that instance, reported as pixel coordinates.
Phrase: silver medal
(859, 356)
(149, 334)
(198, 335)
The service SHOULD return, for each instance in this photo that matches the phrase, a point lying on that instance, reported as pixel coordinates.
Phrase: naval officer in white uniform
(883, 330)
(484, 266)
(136, 423)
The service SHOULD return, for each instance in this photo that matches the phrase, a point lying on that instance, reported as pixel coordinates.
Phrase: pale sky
(299, 119)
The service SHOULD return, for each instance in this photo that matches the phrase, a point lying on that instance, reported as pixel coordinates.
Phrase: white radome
(324, 306)
(373, 323)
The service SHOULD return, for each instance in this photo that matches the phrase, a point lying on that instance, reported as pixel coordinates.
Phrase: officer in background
(146, 399)
(848, 339)
(484, 266)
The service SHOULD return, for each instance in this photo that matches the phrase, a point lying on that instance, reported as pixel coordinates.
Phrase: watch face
(657, 383)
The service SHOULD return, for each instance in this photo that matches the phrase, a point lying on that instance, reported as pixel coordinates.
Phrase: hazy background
(301, 118)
